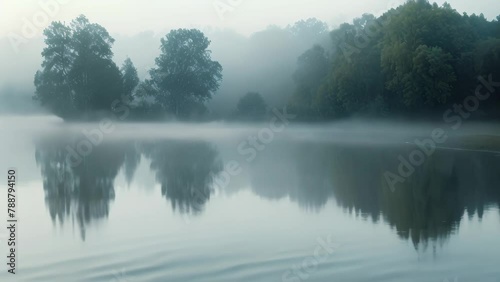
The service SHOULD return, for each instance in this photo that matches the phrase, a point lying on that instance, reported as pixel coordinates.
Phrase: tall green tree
(312, 68)
(78, 75)
(355, 83)
(420, 51)
(185, 75)
(96, 79)
(130, 77)
(53, 89)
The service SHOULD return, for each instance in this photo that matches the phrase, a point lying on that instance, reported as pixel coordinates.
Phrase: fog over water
(158, 200)
(253, 141)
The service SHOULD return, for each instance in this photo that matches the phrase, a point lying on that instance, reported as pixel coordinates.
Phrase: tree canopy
(418, 58)
(185, 76)
(78, 75)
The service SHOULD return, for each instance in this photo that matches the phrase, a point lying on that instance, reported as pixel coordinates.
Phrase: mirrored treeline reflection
(185, 170)
(428, 206)
(81, 193)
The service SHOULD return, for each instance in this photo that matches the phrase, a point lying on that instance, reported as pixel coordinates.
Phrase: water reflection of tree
(82, 193)
(313, 181)
(132, 160)
(300, 173)
(356, 175)
(186, 171)
(427, 206)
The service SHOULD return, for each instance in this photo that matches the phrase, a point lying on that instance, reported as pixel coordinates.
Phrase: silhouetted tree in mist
(251, 107)
(78, 75)
(185, 76)
(130, 77)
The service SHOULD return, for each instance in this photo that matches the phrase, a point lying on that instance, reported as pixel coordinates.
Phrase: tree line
(79, 78)
(416, 59)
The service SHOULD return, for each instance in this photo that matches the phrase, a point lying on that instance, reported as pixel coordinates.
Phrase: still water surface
(196, 203)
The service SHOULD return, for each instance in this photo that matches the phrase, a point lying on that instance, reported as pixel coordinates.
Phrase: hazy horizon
(250, 140)
(137, 29)
(244, 17)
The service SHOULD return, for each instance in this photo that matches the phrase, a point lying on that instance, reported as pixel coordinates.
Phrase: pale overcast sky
(129, 17)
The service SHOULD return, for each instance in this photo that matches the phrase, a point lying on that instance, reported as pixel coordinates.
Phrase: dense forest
(416, 60)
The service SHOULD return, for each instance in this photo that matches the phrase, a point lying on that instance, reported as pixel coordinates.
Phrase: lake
(250, 202)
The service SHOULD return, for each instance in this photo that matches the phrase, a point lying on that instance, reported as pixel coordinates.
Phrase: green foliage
(417, 58)
(53, 88)
(419, 47)
(185, 76)
(433, 75)
(313, 67)
(78, 75)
